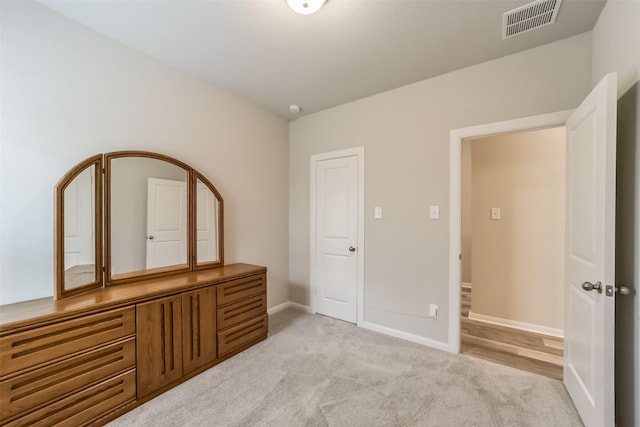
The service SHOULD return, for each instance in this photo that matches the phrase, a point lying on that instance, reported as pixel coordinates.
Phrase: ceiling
(266, 53)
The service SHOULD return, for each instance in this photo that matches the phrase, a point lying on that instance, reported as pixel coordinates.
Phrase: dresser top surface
(27, 313)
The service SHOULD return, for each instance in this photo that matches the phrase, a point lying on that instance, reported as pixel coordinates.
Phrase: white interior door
(589, 314)
(166, 223)
(336, 237)
(207, 224)
(78, 220)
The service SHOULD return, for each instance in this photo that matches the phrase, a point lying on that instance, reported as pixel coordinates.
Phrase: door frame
(455, 199)
(359, 153)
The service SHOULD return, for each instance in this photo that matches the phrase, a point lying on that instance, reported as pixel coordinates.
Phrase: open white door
(166, 223)
(590, 296)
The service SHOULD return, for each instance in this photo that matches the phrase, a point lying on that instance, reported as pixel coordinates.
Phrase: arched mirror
(78, 229)
(160, 217)
(147, 215)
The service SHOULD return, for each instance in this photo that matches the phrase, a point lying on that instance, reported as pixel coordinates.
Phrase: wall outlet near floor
(433, 311)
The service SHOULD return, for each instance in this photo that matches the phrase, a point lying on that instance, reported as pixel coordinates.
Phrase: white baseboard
(530, 327)
(289, 304)
(405, 336)
(372, 327)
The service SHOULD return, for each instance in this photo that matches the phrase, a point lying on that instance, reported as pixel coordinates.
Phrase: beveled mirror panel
(78, 254)
(148, 215)
(209, 227)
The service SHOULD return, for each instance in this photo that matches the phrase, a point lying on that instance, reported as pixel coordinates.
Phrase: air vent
(529, 17)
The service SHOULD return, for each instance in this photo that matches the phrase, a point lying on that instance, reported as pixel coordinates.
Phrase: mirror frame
(102, 162)
(59, 289)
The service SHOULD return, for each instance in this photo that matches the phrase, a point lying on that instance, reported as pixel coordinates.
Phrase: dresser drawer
(49, 383)
(237, 336)
(39, 345)
(240, 311)
(84, 406)
(239, 289)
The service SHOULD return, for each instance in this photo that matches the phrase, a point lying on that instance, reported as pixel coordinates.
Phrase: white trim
(289, 304)
(530, 327)
(300, 307)
(455, 194)
(279, 308)
(439, 345)
(359, 153)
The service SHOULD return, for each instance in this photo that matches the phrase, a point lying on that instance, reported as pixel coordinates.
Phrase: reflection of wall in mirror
(129, 177)
(79, 220)
(207, 219)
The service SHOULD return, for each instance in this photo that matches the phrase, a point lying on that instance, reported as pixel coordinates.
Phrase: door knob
(352, 249)
(588, 286)
(623, 290)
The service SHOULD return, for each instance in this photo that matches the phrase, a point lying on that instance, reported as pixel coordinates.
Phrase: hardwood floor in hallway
(529, 351)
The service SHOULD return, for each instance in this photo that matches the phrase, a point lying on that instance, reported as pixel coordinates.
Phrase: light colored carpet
(318, 371)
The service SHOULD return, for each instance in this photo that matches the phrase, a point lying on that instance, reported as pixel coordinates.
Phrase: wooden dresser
(87, 359)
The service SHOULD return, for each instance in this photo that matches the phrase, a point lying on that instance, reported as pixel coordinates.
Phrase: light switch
(433, 310)
(434, 212)
(377, 212)
(495, 213)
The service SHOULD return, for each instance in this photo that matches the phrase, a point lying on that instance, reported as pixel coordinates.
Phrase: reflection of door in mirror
(79, 226)
(207, 224)
(166, 223)
(129, 182)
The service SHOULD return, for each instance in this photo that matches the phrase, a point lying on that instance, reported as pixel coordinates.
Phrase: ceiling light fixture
(305, 7)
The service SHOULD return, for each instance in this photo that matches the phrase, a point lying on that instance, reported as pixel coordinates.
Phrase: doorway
(337, 234)
(455, 200)
(512, 266)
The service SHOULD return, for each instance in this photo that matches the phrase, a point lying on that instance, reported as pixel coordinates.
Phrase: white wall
(616, 47)
(518, 260)
(616, 43)
(68, 93)
(405, 133)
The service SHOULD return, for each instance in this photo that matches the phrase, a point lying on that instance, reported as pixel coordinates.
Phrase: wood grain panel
(240, 311)
(84, 406)
(36, 388)
(158, 343)
(32, 347)
(198, 328)
(239, 335)
(239, 289)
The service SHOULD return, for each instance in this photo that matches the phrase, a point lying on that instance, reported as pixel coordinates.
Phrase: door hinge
(459, 257)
